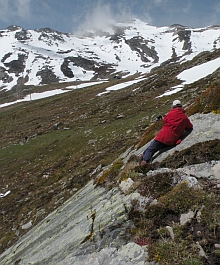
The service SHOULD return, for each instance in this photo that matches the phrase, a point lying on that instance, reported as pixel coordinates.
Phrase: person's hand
(159, 117)
(143, 162)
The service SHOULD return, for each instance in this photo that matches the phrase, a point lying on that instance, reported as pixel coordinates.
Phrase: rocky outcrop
(92, 226)
(23, 35)
(66, 69)
(4, 76)
(184, 36)
(47, 75)
(140, 45)
(51, 36)
(16, 66)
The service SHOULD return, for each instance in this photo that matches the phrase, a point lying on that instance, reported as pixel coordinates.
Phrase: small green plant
(217, 252)
(163, 232)
(192, 261)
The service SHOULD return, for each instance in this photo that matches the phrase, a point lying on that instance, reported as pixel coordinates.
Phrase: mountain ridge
(44, 56)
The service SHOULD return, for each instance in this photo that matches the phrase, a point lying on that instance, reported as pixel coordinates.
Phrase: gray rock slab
(128, 254)
(209, 170)
(86, 227)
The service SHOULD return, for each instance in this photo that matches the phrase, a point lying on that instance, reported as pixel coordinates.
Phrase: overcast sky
(69, 16)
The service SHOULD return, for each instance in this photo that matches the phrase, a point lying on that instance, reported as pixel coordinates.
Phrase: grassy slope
(58, 157)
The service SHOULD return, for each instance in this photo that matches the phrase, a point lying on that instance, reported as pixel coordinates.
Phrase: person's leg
(152, 149)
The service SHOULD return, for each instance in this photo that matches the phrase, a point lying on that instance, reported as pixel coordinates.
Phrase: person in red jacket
(175, 123)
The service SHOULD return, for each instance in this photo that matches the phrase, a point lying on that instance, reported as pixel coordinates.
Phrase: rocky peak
(23, 35)
(50, 36)
(14, 28)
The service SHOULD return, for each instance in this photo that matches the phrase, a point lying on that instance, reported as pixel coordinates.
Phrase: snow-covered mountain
(44, 56)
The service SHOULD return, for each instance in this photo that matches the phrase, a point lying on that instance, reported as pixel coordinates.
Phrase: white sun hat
(177, 103)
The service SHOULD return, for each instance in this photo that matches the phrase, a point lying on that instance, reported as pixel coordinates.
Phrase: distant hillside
(38, 57)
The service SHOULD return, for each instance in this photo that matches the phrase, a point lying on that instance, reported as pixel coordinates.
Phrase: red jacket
(175, 123)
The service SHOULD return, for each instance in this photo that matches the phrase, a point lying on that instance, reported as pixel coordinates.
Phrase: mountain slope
(44, 56)
(98, 225)
(51, 148)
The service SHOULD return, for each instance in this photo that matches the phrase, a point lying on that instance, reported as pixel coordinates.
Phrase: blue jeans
(152, 149)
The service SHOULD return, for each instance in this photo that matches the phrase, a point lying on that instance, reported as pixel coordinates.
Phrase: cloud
(217, 9)
(213, 19)
(14, 9)
(98, 18)
(23, 9)
(160, 2)
(4, 8)
(187, 8)
(102, 16)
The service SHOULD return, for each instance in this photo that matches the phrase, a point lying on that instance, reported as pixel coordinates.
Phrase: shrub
(209, 101)
(168, 252)
(182, 198)
(156, 186)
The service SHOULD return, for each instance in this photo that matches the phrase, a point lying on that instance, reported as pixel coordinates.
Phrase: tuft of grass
(150, 133)
(210, 214)
(208, 101)
(182, 198)
(156, 186)
(168, 252)
(110, 176)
